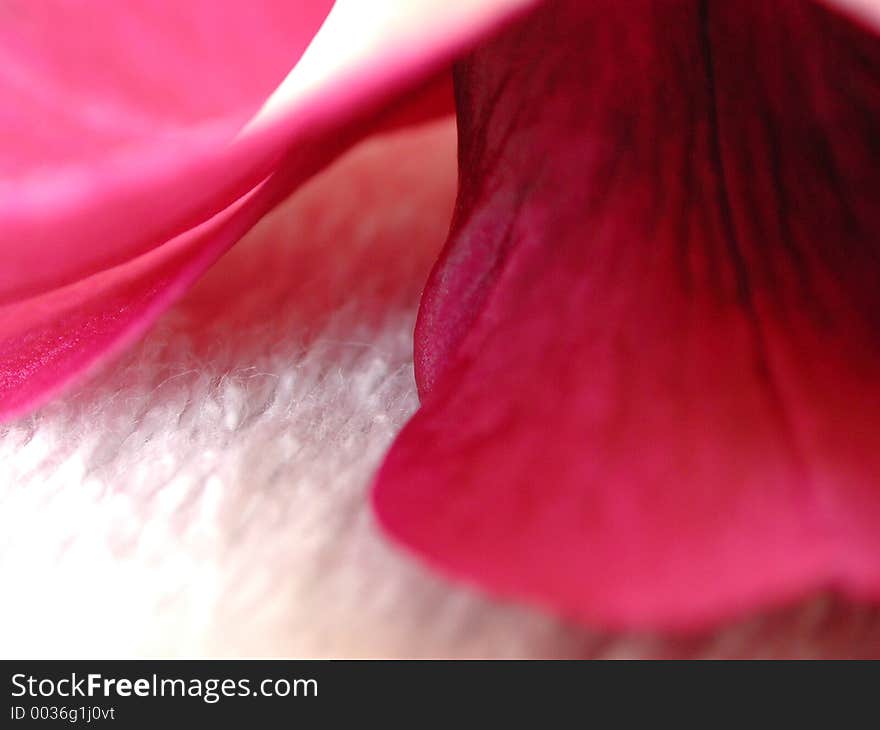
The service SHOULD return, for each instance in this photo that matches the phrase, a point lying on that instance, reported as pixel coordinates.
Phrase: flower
(648, 356)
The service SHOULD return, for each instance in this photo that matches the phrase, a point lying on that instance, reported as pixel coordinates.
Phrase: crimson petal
(649, 357)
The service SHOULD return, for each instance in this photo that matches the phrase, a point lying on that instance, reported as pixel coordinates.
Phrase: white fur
(206, 494)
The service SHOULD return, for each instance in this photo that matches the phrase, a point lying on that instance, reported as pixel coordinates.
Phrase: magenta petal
(123, 124)
(649, 356)
(143, 168)
(115, 117)
(47, 341)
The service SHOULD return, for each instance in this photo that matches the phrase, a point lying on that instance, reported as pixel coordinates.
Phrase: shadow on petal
(649, 355)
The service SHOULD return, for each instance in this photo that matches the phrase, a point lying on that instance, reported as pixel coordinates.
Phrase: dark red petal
(650, 354)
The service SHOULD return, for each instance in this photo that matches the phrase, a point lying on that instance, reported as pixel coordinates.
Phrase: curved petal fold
(649, 356)
(162, 132)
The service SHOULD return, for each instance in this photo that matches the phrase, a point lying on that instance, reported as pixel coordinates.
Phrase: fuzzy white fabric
(207, 494)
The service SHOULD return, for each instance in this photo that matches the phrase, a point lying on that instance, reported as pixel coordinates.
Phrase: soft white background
(206, 494)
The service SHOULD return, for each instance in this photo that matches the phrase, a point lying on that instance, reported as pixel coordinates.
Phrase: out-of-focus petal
(109, 112)
(649, 356)
(179, 187)
(116, 134)
(864, 11)
(49, 340)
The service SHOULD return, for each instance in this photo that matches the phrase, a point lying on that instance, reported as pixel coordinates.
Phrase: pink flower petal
(143, 153)
(650, 354)
(112, 110)
(124, 103)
